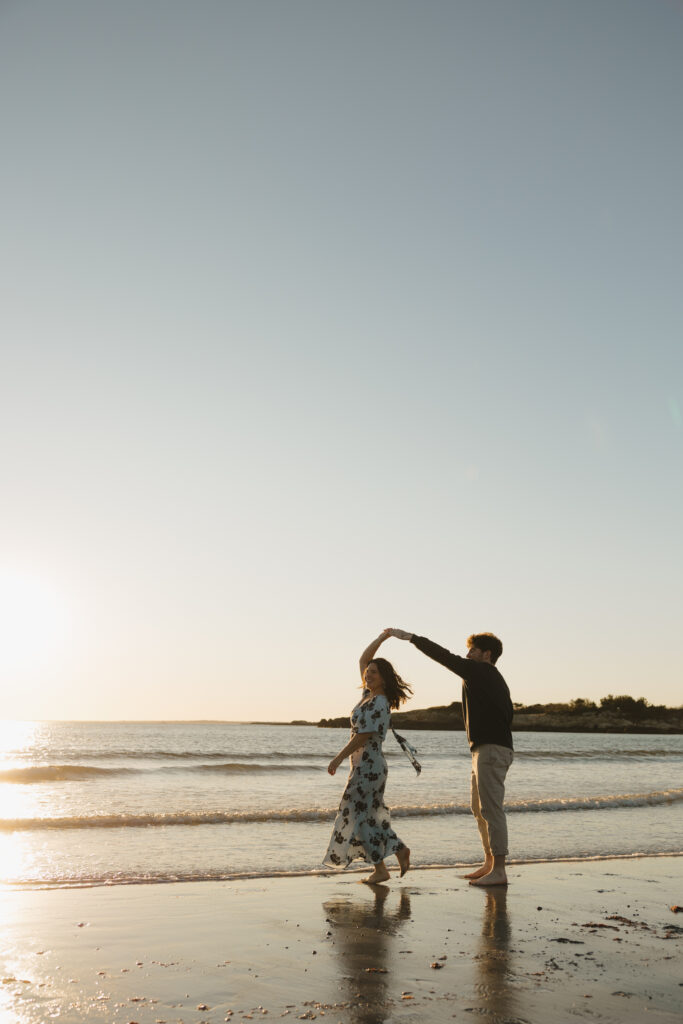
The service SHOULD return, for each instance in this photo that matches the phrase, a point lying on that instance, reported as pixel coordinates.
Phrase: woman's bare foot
(480, 872)
(403, 858)
(380, 874)
(496, 876)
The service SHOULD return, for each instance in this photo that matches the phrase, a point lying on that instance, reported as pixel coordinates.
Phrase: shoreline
(566, 939)
(324, 872)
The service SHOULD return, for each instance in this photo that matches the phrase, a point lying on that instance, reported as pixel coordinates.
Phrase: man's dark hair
(395, 689)
(486, 642)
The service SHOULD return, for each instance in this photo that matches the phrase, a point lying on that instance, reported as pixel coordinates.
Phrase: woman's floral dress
(362, 829)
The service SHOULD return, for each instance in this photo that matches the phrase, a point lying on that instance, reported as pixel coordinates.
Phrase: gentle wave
(165, 878)
(60, 773)
(310, 814)
(615, 754)
(241, 769)
(618, 754)
(84, 773)
(187, 755)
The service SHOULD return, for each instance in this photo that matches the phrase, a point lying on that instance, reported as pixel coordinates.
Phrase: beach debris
(626, 920)
(574, 942)
(675, 909)
(436, 966)
(376, 970)
(202, 1006)
(599, 924)
(672, 930)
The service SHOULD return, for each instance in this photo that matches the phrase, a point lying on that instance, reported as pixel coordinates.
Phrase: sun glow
(17, 741)
(33, 625)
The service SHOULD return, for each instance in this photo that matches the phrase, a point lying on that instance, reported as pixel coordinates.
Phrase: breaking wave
(310, 814)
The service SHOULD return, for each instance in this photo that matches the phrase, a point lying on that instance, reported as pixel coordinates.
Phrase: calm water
(92, 803)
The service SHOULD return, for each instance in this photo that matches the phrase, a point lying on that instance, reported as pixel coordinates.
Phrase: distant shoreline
(443, 719)
(644, 720)
(617, 729)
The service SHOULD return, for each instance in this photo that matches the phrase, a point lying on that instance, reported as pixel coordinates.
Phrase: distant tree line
(631, 707)
(613, 714)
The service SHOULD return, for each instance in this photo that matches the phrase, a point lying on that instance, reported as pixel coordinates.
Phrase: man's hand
(400, 634)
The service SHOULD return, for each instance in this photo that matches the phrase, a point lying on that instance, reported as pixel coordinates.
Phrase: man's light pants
(490, 763)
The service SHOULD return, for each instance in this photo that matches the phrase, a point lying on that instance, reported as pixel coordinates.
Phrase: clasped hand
(400, 634)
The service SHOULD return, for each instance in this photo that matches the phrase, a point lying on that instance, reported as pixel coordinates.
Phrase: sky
(318, 318)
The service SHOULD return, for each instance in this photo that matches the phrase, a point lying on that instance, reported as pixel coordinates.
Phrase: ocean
(93, 803)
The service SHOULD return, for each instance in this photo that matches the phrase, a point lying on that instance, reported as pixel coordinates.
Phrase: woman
(362, 828)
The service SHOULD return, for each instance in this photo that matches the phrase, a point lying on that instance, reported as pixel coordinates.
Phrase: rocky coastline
(540, 718)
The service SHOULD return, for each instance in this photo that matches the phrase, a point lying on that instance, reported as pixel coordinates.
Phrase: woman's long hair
(395, 689)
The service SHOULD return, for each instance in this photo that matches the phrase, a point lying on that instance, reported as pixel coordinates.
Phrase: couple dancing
(362, 829)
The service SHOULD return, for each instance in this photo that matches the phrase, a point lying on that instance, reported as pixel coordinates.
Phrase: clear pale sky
(322, 317)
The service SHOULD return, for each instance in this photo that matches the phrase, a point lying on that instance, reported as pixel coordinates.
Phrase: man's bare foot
(380, 874)
(480, 872)
(403, 858)
(496, 876)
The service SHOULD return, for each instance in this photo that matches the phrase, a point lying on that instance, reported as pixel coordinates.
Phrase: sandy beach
(588, 940)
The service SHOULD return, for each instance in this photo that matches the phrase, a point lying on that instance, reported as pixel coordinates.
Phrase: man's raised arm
(450, 661)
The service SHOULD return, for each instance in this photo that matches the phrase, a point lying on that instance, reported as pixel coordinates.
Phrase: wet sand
(595, 941)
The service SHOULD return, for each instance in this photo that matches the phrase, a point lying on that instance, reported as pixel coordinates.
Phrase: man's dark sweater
(486, 704)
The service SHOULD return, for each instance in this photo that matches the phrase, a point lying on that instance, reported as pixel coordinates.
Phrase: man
(487, 711)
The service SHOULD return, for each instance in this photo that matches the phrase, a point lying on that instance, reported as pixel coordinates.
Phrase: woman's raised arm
(371, 650)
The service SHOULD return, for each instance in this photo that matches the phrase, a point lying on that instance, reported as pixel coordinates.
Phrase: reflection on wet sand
(364, 932)
(492, 958)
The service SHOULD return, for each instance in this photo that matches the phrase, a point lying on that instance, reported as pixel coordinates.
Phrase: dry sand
(594, 941)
